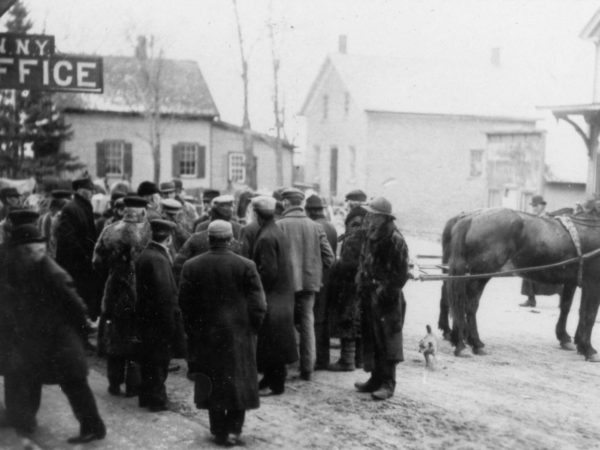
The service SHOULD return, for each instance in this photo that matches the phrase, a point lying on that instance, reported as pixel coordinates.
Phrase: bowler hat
(20, 217)
(537, 200)
(379, 205)
(61, 193)
(133, 201)
(220, 229)
(356, 195)
(8, 192)
(147, 188)
(83, 183)
(167, 186)
(314, 202)
(292, 193)
(25, 234)
(209, 194)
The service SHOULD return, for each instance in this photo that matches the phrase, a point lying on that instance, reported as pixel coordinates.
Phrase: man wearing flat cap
(382, 273)
(158, 317)
(118, 248)
(315, 210)
(310, 252)
(75, 240)
(46, 328)
(189, 213)
(223, 305)
(172, 211)
(221, 209)
(533, 288)
(355, 198)
(207, 197)
(276, 340)
(149, 191)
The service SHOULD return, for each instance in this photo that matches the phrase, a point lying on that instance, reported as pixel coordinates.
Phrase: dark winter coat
(116, 252)
(382, 272)
(309, 250)
(194, 246)
(159, 321)
(248, 238)
(75, 241)
(236, 227)
(43, 321)
(344, 302)
(276, 339)
(223, 305)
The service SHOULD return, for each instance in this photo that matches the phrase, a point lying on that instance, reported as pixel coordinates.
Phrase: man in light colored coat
(309, 252)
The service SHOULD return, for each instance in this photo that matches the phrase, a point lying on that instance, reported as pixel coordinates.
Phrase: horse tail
(443, 323)
(456, 290)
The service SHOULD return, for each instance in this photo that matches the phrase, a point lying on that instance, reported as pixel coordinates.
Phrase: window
(325, 106)
(114, 151)
(114, 159)
(237, 167)
(476, 163)
(189, 160)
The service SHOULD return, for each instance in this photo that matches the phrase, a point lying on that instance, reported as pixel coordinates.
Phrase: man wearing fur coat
(382, 272)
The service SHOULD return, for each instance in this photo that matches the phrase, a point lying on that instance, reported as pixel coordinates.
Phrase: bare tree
(277, 111)
(248, 140)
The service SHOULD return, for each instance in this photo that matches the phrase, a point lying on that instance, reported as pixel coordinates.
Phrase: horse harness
(566, 222)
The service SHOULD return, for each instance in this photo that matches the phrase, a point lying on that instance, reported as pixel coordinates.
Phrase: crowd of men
(159, 278)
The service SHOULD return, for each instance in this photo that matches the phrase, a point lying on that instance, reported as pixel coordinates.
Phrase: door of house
(511, 198)
(333, 172)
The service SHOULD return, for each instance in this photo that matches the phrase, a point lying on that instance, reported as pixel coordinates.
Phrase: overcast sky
(539, 37)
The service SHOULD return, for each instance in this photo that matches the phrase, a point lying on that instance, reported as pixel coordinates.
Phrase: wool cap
(20, 217)
(264, 203)
(133, 201)
(25, 234)
(220, 229)
(379, 205)
(167, 186)
(83, 183)
(61, 193)
(537, 200)
(171, 205)
(292, 192)
(223, 199)
(356, 195)
(314, 202)
(147, 188)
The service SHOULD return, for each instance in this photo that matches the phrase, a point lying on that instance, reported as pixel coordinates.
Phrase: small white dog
(428, 346)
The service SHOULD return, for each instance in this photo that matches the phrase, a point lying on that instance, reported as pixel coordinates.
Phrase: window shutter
(100, 160)
(176, 158)
(201, 162)
(127, 161)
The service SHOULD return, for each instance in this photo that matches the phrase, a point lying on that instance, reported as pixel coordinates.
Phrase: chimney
(141, 52)
(342, 44)
(495, 57)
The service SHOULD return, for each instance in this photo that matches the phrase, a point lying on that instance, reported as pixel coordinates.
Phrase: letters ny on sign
(28, 62)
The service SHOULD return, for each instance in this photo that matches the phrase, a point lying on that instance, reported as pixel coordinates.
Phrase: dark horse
(493, 240)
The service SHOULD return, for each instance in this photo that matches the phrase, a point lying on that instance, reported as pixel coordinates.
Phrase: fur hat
(147, 188)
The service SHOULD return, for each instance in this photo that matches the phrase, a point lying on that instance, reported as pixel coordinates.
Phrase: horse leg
(456, 293)
(566, 300)
(474, 291)
(587, 316)
(443, 322)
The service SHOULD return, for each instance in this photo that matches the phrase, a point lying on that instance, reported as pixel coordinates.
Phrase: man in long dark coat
(45, 321)
(343, 299)
(276, 339)
(223, 306)
(116, 252)
(382, 272)
(75, 240)
(158, 316)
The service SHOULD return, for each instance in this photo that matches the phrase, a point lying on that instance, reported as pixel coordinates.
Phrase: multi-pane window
(187, 162)
(237, 167)
(114, 151)
(476, 163)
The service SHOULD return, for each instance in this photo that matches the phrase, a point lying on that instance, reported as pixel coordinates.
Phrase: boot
(530, 303)
(383, 393)
(358, 356)
(346, 361)
(371, 385)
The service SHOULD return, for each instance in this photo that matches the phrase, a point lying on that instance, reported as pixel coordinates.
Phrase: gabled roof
(422, 86)
(184, 91)
(591, 31)
(266, 138)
